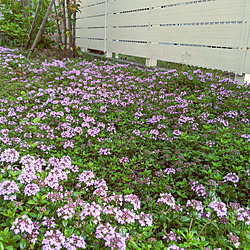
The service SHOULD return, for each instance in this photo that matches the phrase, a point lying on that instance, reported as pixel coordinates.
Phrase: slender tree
(33, 23)
(59, 30)
(41, 28)
(74, 29)
(69, 28)
(23, 4)
(64, 25)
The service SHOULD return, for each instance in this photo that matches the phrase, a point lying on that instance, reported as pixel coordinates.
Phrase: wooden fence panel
(220, 35)
(135, 18)
(90, 43)
(90, 33)
(91, 22)
(212, 11)
(93, 10)
(129, 48)
(206, 33)
(134, 34)
(224, 59)
(127, 5)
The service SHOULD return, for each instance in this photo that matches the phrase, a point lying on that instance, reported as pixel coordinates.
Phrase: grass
(98, 155)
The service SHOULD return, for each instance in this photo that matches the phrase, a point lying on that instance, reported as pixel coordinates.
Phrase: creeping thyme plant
(95, 155)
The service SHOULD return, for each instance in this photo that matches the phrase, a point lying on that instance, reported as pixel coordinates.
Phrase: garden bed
(97, 155)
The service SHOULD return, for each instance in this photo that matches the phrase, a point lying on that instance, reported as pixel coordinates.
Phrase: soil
(52, 53)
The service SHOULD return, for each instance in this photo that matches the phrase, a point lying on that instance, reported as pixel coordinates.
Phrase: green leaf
(23, 244)
(31, 202)
(1, 246)
(65, 223)
(6, 230)
(9, 248)
(36, 120)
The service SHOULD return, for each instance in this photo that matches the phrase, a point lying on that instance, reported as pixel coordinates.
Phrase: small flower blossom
(166, 198)
(9, 155)
(234, 240)
(231, 177)
(134, 200)
(104, 151)
(244, 213)
(219, 207)
(124, 160)
(31, 189)
(177, 132)
(8, 188)
(75, 242)
(53, 240)
(168, 171)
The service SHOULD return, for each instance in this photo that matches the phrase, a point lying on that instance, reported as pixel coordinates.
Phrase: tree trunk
(59, 31)
(23, 4)
(33, 23)
(70, 29)
(64, 26)
(74, 31)
(41, 28)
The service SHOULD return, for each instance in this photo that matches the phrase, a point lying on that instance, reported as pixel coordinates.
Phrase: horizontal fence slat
(159, 3)
(135, 49)
(93, 10)
(224, 59)
(92, 44)
(90, 22)
(212, 35)
(135, 18)
(216, 35)
(138, 33)
(90, 2)
(90, 33)
(125, 5)
(204, 12)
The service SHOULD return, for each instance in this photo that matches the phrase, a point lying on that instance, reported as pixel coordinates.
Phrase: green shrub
(16, 23)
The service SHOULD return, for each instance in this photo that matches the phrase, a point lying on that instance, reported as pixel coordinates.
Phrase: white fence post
(244, 41)
(151, 62)
(108, 53)
(240, 78)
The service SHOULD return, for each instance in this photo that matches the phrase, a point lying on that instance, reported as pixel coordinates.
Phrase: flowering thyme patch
(97, 155)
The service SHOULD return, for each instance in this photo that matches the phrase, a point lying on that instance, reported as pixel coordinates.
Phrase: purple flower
(113, 239)
(124, 160)
(231, 177)
(22, 224)
(166, 198)
(177, 132)
(104, 151)
(234, 240)
(75, 242)
(196, 205)
(198, 188)
(168, 171)
(243, 213)
(31, 189)
(53, 240)
(8, 188)
(145, 219)
(219, 207)
(9, 155)
(134, 200)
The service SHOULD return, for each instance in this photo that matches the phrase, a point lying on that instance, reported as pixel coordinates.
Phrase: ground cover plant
(111, 156)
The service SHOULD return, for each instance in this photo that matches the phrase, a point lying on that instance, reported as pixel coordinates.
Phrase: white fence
(207, 33)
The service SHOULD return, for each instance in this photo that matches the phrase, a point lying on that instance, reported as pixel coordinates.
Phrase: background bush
(16, 23)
